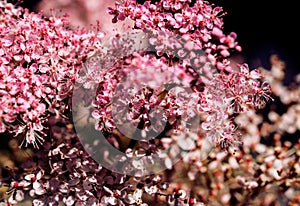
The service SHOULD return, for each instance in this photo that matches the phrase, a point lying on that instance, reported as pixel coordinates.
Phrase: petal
(39, 175)
(111, 200)
(29, 177)
(36, 185)
(186, 143)
(217, 32)
(244, 69)
(255, 74)
(19, 195)
(18, 58)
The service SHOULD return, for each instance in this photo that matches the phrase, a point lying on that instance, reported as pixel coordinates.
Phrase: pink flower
(39, 61)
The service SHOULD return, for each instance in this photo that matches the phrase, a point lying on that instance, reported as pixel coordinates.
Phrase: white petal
(69, 201)
(39, 174)
(107, 190)
(233, 163)
(186, 143)
(137, 194)
(168, 163)
(19, 195)
(29, 177)
(36, 185)
(111, 200)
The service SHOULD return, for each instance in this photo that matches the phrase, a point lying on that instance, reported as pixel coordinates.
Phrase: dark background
(265, 27)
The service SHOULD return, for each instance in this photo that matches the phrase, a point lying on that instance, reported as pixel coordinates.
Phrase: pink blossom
(40, 62)
(42, 58)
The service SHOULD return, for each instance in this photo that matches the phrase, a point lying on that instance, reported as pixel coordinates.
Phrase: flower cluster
(63, 172)
(260, 174)
(39, 61)
(228, 95)
(226, 92)
(199, 20)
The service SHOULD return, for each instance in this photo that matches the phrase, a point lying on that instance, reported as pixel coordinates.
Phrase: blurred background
(264, 28)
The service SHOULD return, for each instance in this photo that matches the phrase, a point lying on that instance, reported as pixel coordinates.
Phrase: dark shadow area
(264, 28)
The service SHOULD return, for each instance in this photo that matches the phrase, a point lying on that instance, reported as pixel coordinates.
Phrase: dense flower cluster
(70, 175)
(40, 61)
(199, 20)
(200, 23)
